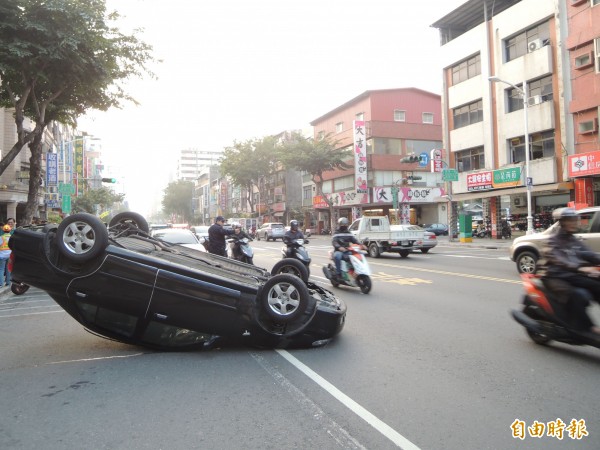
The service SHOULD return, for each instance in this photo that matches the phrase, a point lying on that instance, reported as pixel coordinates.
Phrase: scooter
(540, 320)
(240, 250)
(355, 270)
(296, 260)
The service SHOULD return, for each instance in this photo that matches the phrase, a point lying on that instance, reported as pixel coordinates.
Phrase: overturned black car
(122, 284)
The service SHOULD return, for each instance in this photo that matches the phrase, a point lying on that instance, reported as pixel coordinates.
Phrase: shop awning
(554, 188)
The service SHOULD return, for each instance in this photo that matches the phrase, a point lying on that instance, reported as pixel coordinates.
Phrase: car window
(585, 222)
(177, 237)
(277, 225)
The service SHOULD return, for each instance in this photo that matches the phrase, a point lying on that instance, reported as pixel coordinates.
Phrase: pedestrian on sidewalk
(4, 255)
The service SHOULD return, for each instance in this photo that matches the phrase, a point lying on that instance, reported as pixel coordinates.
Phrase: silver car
(526, 250)
(270, 230)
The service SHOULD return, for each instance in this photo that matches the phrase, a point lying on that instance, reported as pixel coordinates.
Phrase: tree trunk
(35, 177)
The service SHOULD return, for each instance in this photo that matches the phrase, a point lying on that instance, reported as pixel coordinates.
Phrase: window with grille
(466, 69)
(471, 159)
(468, 114)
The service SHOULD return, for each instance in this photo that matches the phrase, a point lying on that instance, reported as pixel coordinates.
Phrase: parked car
(270, 231)
(201, 232)
(440, 229)
(179, 236)
(525, 251)
(123, 284)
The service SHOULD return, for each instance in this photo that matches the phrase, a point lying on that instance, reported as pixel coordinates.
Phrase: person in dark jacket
(216, 237)
(567, 262)
(238, 233)
(291, 235)
(341, 239)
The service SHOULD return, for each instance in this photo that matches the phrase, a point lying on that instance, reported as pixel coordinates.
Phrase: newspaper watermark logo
(576, 429)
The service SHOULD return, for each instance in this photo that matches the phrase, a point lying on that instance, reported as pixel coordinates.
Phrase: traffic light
(411, 159)
(109, 180)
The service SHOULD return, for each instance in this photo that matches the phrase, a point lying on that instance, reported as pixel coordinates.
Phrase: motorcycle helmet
(564, 213)
(294, 225)
(236, 226)
(342, 222)
(6, 228)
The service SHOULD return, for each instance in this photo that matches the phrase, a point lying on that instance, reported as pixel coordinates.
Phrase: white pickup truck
(375, 232)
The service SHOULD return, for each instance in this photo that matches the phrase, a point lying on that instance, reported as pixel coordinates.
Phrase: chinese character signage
(360, 157)
(584, 164)
(479, 181)
(584, 191)
(51, 169)
(344, 198)
(507, 177)
(78, 144)
(407, 195)
(436, 160)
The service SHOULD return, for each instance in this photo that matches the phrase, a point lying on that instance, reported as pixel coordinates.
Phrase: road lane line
(333, 429)
(28, 307)
(368, 417)
(31, 314)
(95, 359)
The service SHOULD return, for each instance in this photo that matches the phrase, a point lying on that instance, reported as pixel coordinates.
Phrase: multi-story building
(583, 47)
(395, 123)
(192, 161)
(504, 84)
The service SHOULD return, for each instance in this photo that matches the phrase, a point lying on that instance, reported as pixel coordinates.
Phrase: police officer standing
(216, 237)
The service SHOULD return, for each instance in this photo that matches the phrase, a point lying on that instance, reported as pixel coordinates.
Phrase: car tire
(81, 237)
(284, 298)
(291, 266)
(424, 250)
(527, 262)
(131, 218)
(18, 288)
(373, 250)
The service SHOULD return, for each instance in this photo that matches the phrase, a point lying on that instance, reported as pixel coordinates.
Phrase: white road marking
(28, 307)
(337, 432)
(31, 314)
(96, 359)
(368, 417)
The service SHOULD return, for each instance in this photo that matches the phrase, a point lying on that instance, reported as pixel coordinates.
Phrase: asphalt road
(429, 359)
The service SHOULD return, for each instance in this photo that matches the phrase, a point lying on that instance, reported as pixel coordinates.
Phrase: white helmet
(343, 222)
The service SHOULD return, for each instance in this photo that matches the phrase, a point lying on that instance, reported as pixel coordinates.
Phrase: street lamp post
(528, 181)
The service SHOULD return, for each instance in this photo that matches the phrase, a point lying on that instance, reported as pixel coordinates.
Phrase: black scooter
(296, 260)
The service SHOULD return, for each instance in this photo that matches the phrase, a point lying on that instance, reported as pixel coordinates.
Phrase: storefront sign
(78, 144)
(344, 198)
(480, 181)
(436, 160)
(407, 195)
(584, 164)
(51, 169)
(360, 157)
(507, 177)
(584, 191)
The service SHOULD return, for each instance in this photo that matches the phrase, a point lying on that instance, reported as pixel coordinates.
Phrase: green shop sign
(507, 177)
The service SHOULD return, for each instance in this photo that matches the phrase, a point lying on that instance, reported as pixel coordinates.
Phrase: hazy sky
(240, 69)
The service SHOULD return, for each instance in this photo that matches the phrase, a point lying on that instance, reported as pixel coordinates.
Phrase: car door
(589, 229)
(114, 298)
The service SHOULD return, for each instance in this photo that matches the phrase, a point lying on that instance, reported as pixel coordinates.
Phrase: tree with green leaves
(177, 199)
(315, 157)
(245, 163)
(94, 199)
(59, 59)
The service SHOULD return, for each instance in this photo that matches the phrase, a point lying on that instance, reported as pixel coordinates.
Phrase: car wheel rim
(527, 265)
(284, 299)
(79, 238)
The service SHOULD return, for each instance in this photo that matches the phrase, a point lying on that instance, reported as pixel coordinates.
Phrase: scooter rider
(569, 263)
(238, 234)
(291, 235)
(341, 239)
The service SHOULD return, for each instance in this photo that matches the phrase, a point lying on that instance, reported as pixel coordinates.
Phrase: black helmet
(219, 219)
(564, 213)
(294, 225)
(343, 222)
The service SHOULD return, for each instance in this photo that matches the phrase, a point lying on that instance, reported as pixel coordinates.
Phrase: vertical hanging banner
(436, 160)
(360, 157)
(78, 144)
(51, 169)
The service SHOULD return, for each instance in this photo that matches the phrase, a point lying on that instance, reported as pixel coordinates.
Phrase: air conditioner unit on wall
(534, 100)
(518, 201)
(534, 45)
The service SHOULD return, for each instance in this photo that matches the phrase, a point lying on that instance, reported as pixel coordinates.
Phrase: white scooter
(240, 250)
(355, 270)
